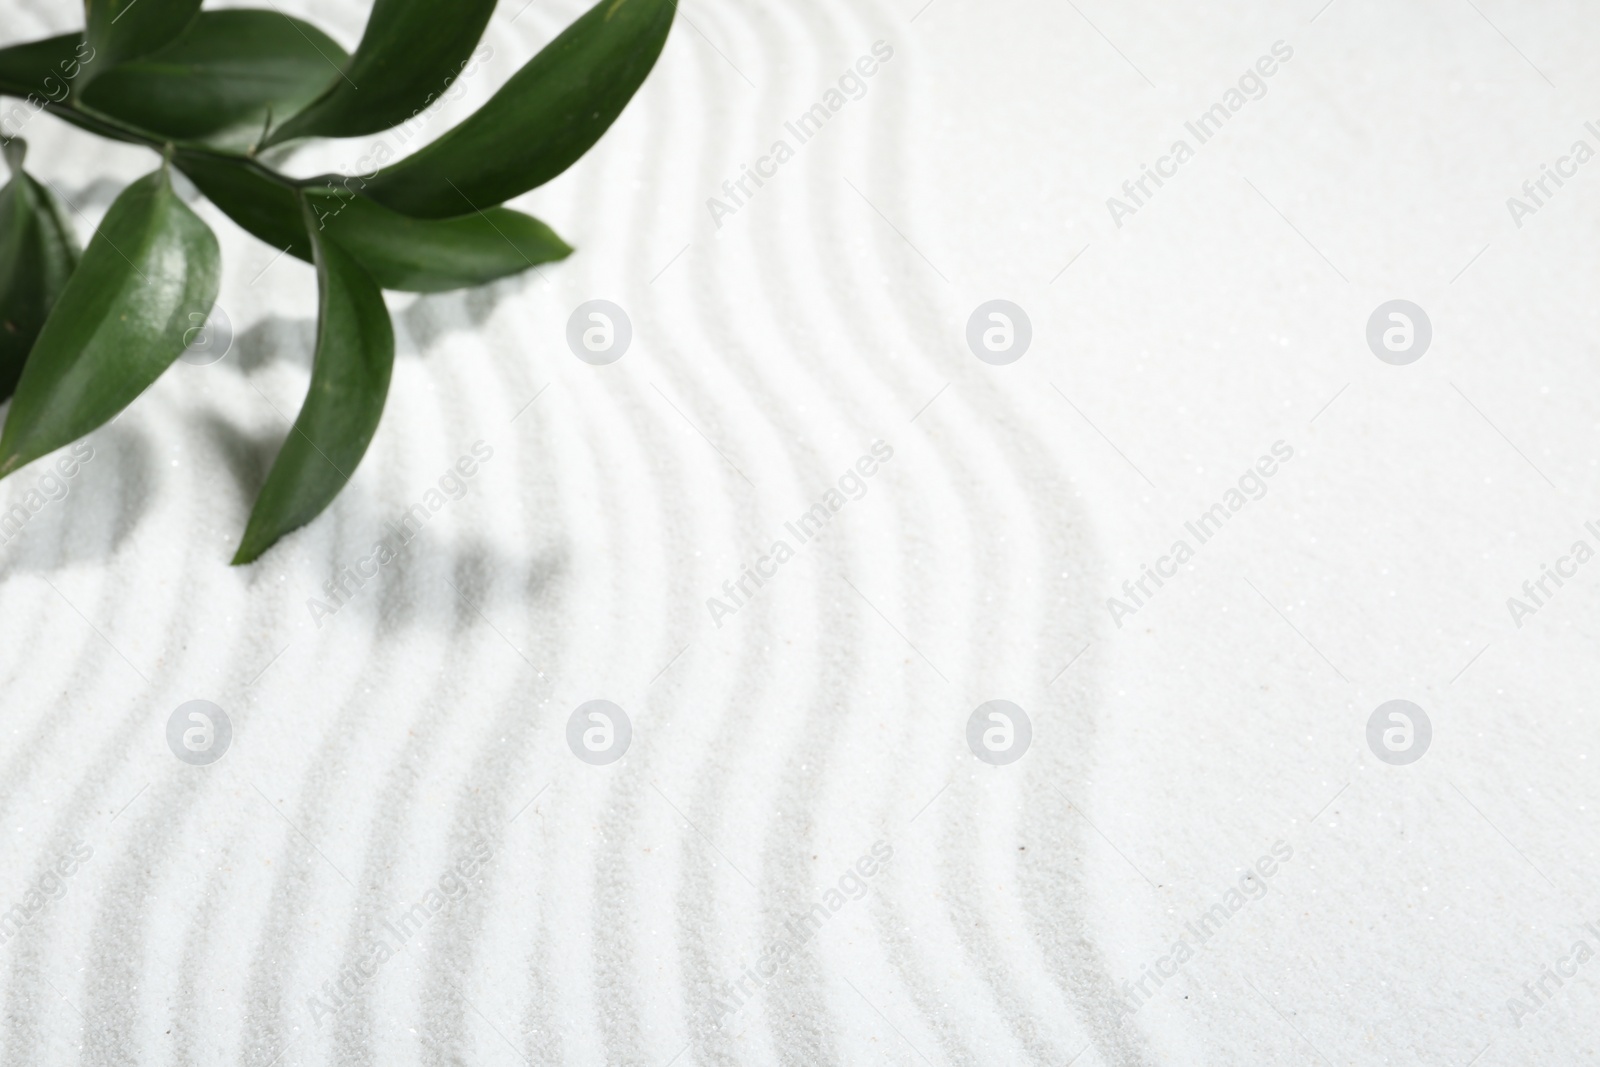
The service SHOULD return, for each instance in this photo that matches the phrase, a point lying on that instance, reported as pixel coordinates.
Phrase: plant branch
(106, 126)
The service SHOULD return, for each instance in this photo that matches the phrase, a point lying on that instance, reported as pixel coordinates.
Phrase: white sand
(829, 713)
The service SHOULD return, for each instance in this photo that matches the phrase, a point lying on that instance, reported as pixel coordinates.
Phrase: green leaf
(349, 381)
(44, 68)
(409, 55)
(540, 122)
(38, 253)
(119, 323)
(267, 208)
(220, 81)
(411, 255)
(120, 30)
(434, 255)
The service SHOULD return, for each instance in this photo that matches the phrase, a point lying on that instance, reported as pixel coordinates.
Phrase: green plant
(83, 334)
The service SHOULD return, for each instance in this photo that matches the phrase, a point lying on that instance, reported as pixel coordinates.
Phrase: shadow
(509, 593)
(247, 458)
(187, 191)
(490, 578)
(97, 195)
(432, 317)
(104, 500)
(276, 338)
(450, 586)
(419, 327)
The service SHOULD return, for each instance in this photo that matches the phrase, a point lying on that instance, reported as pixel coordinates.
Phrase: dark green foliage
(349, 381)
(407, 58)
(38, 253)
(120, 30)
(82, 337)
(119, 322)
(220, 81)
(541, 121)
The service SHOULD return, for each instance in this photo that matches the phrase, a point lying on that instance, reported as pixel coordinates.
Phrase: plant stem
(106, 126)
(109, 127)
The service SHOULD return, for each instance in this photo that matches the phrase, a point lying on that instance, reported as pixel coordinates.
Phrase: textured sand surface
(615, 914)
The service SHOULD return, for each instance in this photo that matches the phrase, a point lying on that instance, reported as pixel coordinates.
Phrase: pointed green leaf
(120, 30)
(411, 52)
(119, 323)
(219, 81)
(267, 208)
(38, 253)
(402, 253)
(349, 381)
(44, 69)
(540, 122)
(434, 255)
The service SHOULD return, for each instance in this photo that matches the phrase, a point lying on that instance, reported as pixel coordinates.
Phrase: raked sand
(1198, 860)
